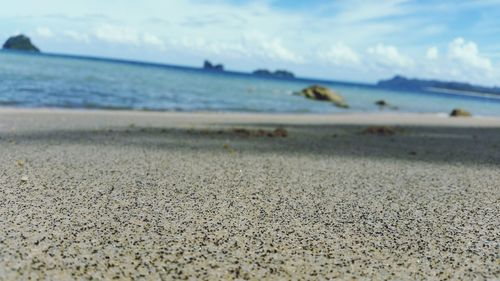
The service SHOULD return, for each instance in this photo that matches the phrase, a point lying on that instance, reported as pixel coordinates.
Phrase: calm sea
(67, 82)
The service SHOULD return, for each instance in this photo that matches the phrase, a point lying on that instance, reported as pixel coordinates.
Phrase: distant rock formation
(20, 43)
(278, 73)
(458, 112)
(320, 93)
(383, 104)
(403, 83)
(207, 65)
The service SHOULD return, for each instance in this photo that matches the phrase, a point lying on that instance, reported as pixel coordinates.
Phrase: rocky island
(278, 73)
(20, 43)
(207, 65)
(403, 83)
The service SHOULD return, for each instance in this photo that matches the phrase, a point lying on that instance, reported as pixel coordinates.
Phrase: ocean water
(31, 81)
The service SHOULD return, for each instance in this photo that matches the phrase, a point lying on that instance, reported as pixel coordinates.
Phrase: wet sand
(131, 195)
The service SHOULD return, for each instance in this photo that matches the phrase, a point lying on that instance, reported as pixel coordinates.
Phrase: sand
(136, 195)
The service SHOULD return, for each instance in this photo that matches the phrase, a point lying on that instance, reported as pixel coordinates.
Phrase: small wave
(9, 103)
(30, 90)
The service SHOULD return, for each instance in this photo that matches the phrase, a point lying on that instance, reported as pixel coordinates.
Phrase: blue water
(28, 80)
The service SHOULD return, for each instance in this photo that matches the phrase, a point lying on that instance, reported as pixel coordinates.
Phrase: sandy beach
(159, 196)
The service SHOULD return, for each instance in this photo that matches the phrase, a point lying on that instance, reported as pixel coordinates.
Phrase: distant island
(207, 65)
(403, 83)
(20, 43)
(277, 73)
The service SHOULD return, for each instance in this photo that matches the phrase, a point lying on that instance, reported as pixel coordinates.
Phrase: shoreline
(363, 118)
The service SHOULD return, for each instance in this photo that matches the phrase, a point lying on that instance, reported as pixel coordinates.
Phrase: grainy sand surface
(131, 195)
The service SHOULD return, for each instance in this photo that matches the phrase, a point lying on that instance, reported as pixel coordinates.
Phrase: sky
(350, 40)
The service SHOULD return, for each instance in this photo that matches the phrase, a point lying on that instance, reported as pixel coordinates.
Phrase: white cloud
(275, 50)
(432, 53)
(253, 45)
(461, 62)
(117, 34)
(355, 11)
(340, 54)
(468, 54)
(389, 56)
(44, 32)
(125, 35)
(77, 36)
(200, 45)
(153, 40)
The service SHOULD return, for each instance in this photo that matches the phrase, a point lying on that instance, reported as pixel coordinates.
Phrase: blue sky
(354, 40)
